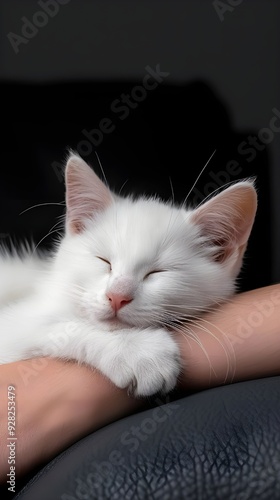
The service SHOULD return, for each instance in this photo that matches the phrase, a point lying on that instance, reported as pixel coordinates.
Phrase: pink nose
(118, 300)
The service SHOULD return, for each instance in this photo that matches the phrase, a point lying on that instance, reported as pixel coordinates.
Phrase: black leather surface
(222, 443)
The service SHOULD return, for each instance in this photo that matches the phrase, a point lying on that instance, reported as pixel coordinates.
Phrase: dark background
(222, 86)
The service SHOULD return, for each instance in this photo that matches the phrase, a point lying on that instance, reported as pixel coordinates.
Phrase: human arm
(57, 403)
(238, 341)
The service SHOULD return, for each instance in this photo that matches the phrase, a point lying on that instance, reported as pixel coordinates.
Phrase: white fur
(64, 311)
(19, 273)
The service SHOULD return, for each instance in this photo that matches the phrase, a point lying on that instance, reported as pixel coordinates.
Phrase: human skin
(59, 402)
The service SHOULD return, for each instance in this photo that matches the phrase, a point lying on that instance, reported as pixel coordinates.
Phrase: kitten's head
(145, 262)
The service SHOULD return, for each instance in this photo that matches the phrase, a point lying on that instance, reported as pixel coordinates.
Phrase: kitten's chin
(114, 324)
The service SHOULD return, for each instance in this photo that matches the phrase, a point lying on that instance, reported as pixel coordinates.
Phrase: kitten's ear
(226, 221)
(85, 194)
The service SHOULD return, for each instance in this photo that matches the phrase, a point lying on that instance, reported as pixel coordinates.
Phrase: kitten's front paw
(149, 362)
(155, 375)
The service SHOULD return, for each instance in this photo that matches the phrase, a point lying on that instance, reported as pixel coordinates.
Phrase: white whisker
(62, 203)
(101, 168)
(198, 177)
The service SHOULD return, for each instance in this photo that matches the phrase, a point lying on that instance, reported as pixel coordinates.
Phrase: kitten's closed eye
(154, 272)
(106, 261)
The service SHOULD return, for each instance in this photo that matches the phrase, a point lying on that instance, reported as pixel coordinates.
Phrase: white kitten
(125, 270)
